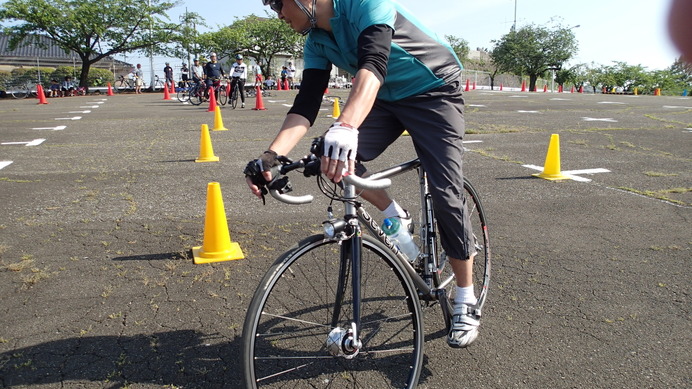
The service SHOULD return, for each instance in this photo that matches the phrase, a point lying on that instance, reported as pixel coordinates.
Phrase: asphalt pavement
(102, 202)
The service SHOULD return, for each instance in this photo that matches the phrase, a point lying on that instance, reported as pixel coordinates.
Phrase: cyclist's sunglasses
(276, 5)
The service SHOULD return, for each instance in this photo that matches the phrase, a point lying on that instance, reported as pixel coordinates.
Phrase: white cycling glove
(341, 142)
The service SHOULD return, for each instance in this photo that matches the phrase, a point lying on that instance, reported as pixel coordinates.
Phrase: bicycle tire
(290, 317)
(183, 95)
(234, 97)
(223, 95)
(196, 96)
(21, 93)
(481, 264)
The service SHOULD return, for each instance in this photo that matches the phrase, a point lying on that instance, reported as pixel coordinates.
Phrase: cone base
(220, 129)
(259, 109)
(233, 253)
(208, 159)
(552, 177)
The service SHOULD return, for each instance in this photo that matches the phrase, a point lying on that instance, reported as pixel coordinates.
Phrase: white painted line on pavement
(476, 105)
(90, 106)
(56, 128)
(288, 105)
(34, 142)
(573, 174)
(518, 96)
(559, 99)
(521, 111)
(94, 102)
(472, 141)
(587, 119)
(4, 164)
(72, 118)
(610, 102)
(688, 129)
(87, 111)
(676, 107)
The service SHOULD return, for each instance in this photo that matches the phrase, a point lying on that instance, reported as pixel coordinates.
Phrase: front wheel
(223, 95)
(305, 300)
(234, 97)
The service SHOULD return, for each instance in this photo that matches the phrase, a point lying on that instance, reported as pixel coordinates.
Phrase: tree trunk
(86, 65)
(532, 82)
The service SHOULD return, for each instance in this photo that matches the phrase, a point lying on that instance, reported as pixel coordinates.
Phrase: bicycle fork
(346, 342)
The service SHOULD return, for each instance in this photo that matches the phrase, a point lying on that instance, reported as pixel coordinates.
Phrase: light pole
(514, 26)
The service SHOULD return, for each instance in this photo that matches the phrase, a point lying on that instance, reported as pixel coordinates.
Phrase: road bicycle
(234, 94)
(185, 88)
(345, 309)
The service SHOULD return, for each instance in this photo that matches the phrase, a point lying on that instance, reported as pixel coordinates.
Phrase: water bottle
(401, 238)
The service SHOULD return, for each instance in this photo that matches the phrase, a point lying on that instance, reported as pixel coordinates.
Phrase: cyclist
(406, 79)
(212, 73)
(238, 77)
(197, 72)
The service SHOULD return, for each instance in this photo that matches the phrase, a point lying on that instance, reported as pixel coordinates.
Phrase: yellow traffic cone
(336, 111)
(206, 151)
(217, 245)
(218, 121)
(551, 168)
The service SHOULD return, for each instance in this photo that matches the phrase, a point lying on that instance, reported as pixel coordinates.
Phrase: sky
(630, 31)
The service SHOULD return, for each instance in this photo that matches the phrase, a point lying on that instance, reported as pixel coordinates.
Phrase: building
(50, 56)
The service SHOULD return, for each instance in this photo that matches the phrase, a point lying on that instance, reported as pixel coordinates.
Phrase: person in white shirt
(197, 72)
(290, 73)
(238, 77)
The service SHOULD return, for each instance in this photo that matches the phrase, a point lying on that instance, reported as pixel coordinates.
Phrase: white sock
(465, 295)
(394, 210)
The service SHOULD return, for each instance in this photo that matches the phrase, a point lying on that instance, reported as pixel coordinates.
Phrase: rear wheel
(302, 311)
(444, 277)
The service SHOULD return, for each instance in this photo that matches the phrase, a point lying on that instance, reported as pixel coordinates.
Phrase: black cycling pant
(239, 83)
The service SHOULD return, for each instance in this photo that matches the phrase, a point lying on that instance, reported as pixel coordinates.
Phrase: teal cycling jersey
(419, 60)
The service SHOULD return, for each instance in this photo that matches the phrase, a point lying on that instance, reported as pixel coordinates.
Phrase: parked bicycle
(21, 90)
(342, 309)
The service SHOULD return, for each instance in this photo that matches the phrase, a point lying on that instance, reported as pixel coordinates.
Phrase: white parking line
(573, 174)
(4, 164)
(611, 120)
(521, 111)
(72, 118)
(57, 128)
(80, 111)
(90, 106)
(610, 102)
(34, 142)
(94, 102)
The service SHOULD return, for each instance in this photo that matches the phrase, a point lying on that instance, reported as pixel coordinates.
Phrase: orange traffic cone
(581, 88)
(286, 87)
(500, 87)
(545, 88)
(41, 94)
(166, 93)
(217, 245)
(551, 168)
(657, 92)
(206, 151)
(468, 85)
(172, 88)
(110, 90)
(523, 86)
(218, 121)
(326, 90)
(212, 100)
(259, 103)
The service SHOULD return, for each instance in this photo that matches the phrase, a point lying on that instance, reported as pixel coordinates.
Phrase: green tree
(92, 30)
(185, 41)
(532, 49)
(459, 45)
(261, 38)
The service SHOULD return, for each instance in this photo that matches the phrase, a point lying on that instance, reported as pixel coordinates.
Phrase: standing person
(290, 74)
(168, 74)
(212, 73)
(197, 71)
(184, 75)
(238, 77)
(258, 76)
(371, 38)
(138, 74)
(284, 72)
